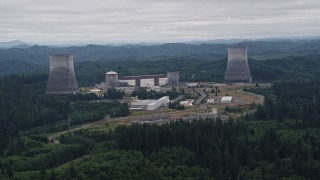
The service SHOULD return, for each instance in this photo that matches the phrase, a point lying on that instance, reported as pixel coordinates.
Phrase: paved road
(261, 101)
(178, 98)
(261, 97)
(123, 119)
(202, 96)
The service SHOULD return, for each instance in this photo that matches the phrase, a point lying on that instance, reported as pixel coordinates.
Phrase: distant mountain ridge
(17, 66)
(14, 43)
(260, 50)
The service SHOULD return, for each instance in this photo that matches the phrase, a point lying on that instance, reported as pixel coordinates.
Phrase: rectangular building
(145, 80)
(226, 99)
(149, 104)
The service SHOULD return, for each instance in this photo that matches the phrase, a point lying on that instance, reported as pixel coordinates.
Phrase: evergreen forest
(280, 140)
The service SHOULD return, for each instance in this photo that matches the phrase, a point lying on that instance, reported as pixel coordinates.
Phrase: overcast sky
(106, 21)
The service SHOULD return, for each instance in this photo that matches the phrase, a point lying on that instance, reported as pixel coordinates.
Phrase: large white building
(226, 99)
(112, 80)
(149, 104)
(145, 80)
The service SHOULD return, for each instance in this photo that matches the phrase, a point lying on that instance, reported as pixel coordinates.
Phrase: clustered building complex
(112, 79)
(62, 79)
(145, 80)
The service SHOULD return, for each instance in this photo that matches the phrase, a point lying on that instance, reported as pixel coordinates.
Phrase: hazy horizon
(218, 41)
(125, 21)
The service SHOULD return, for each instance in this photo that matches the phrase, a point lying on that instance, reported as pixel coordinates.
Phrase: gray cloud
(150, 20)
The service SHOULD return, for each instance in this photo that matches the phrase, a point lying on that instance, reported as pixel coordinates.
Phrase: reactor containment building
(237, 66)
(112, 79)
(62, 79)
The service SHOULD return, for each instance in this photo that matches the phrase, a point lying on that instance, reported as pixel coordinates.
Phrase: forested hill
(39, 54)
(279, 141)
(289, 68)
(260, 50)
(92, 72)
(19, 66)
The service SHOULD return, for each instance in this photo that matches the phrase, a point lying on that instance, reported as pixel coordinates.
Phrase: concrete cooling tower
(62, 79)
(173, 77)
(237, 67)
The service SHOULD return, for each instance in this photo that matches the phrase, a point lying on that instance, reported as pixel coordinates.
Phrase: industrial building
(237, 66)
(192, 84)
(214, 111)
(173, 77)
(62, 79)
(111, 79)
(148, 104)
(187, 103)
(96, 91)
(210, 101)
(226, 99)
(145, 80)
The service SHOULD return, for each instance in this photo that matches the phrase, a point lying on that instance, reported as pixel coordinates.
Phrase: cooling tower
(62, 79)
(237, 67)
(173, 77)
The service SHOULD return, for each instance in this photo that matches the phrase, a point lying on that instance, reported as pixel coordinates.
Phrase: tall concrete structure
(237, 66)
(112, 79)
(62, 79)
(173, 77)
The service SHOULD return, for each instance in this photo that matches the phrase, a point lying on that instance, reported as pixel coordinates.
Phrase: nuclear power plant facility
(187, 95)
(126, 97)
(62, 79)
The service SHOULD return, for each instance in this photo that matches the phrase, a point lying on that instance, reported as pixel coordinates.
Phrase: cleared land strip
(166, 116)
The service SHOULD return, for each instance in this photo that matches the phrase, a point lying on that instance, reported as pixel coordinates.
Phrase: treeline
(142, 93)
(232, 150)
(23, 105)
(202, 149)
(112, 93)
(45, 158)
(193, 70)
(82, 112)
(295, 100)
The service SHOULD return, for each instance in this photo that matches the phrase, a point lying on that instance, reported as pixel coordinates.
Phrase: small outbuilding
(226, 99)
(210, 101)
(187, 103)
